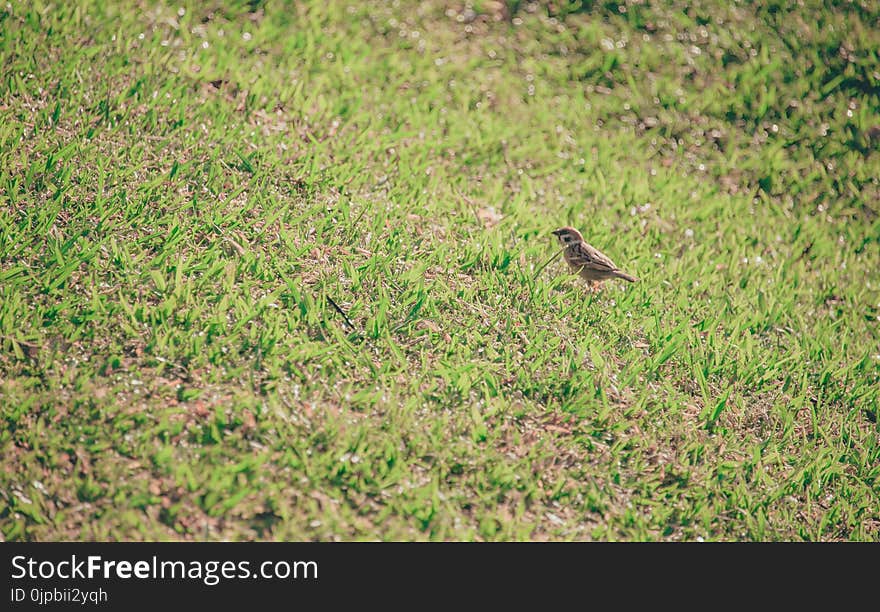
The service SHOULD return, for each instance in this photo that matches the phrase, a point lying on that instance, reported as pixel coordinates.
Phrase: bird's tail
(625, 276)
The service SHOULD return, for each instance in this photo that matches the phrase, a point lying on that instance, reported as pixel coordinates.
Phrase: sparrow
(591, 264)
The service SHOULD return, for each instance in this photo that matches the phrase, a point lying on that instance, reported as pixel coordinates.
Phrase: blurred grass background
(187, 189)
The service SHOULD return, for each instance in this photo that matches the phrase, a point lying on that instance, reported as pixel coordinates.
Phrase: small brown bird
(591, 264)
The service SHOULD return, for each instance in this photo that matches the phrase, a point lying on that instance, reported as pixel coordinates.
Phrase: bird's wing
(585, 256)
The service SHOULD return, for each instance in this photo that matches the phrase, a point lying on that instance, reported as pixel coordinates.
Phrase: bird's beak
(557, 232)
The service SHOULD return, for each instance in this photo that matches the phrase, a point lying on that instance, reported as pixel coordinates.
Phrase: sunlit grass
(273, 272)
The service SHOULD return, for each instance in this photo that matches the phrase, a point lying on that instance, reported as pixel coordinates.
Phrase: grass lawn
(273, 271)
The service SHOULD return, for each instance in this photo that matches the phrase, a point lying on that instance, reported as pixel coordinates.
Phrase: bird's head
(568, 235)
